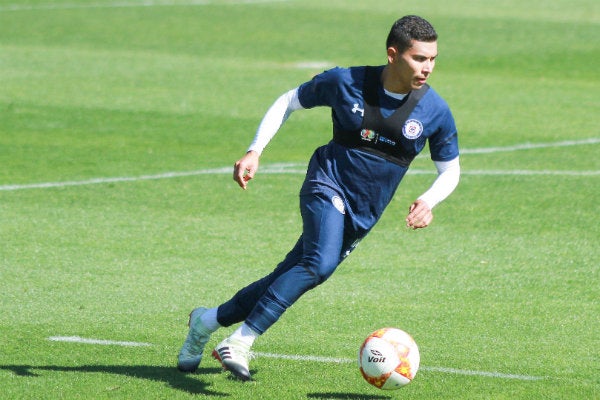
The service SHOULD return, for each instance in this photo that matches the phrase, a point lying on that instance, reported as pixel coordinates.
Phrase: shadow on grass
(169, 375)
(345, 396)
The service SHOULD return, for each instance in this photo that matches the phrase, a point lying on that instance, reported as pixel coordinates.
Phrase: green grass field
(119, 124)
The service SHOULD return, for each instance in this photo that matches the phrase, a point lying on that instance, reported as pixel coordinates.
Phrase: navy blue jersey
(366, 181)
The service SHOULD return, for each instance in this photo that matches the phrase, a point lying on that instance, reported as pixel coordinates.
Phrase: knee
(320, 270)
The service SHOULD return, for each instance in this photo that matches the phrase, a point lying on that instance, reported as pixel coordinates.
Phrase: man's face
(411, 69)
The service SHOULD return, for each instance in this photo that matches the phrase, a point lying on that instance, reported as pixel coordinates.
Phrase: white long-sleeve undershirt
(276, 115)
(444, 184)
(287, 103)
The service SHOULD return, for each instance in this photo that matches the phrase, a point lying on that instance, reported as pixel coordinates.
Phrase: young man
(382, 117)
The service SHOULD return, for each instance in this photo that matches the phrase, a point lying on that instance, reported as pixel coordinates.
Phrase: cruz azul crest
(412, 129)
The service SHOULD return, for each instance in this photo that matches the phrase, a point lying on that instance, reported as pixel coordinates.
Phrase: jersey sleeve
(443, 145)
(322, 90)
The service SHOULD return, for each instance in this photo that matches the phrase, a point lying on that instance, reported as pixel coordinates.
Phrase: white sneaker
(190, 354)
(233, 356)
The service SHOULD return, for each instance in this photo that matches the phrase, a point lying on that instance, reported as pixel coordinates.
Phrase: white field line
(336, 360)
(129, 4)
(77, 339)
(166, 175)
(294, 168)
(530, 146)
(290, 168)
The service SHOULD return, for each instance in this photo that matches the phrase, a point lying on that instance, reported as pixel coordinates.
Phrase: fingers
(241, 174)
(245, 168)
(419, 215)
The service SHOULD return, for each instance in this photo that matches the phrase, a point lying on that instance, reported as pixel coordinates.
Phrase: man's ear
(392, 54)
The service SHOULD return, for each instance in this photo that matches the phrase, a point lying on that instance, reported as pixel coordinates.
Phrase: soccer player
(382, 116)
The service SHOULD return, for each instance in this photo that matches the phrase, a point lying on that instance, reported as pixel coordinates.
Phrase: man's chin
(419, 84)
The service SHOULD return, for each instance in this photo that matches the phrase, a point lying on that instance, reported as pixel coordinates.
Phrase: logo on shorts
(351, 248)
(412, 129)
(338, 203)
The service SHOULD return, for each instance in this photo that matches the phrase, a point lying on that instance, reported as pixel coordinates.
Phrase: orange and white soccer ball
(389, 358)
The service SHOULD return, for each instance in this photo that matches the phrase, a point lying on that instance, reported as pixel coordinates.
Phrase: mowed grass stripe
(130, 4)
(498, 284)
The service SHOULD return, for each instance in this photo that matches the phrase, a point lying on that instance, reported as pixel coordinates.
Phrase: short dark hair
(407, 29)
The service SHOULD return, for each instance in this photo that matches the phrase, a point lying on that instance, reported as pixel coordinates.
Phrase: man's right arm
(245, 168)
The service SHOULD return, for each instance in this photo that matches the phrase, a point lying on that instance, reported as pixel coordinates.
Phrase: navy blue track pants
(325, 241)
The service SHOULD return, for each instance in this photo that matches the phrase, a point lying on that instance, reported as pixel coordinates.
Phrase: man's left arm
(419, 212)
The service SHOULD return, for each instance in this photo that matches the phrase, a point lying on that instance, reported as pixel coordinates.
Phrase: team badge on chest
(412, 129)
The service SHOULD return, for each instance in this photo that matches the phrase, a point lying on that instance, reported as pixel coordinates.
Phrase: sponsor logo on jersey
(412, 129)
(386, 140)
(338, 203)
(372, 136)
(368, 135)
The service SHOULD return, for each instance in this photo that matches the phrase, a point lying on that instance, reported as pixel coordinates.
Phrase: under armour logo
(355, 109)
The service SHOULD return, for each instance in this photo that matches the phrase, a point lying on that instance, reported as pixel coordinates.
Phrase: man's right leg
(203, 322)
(191, 352)
(322, 243)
